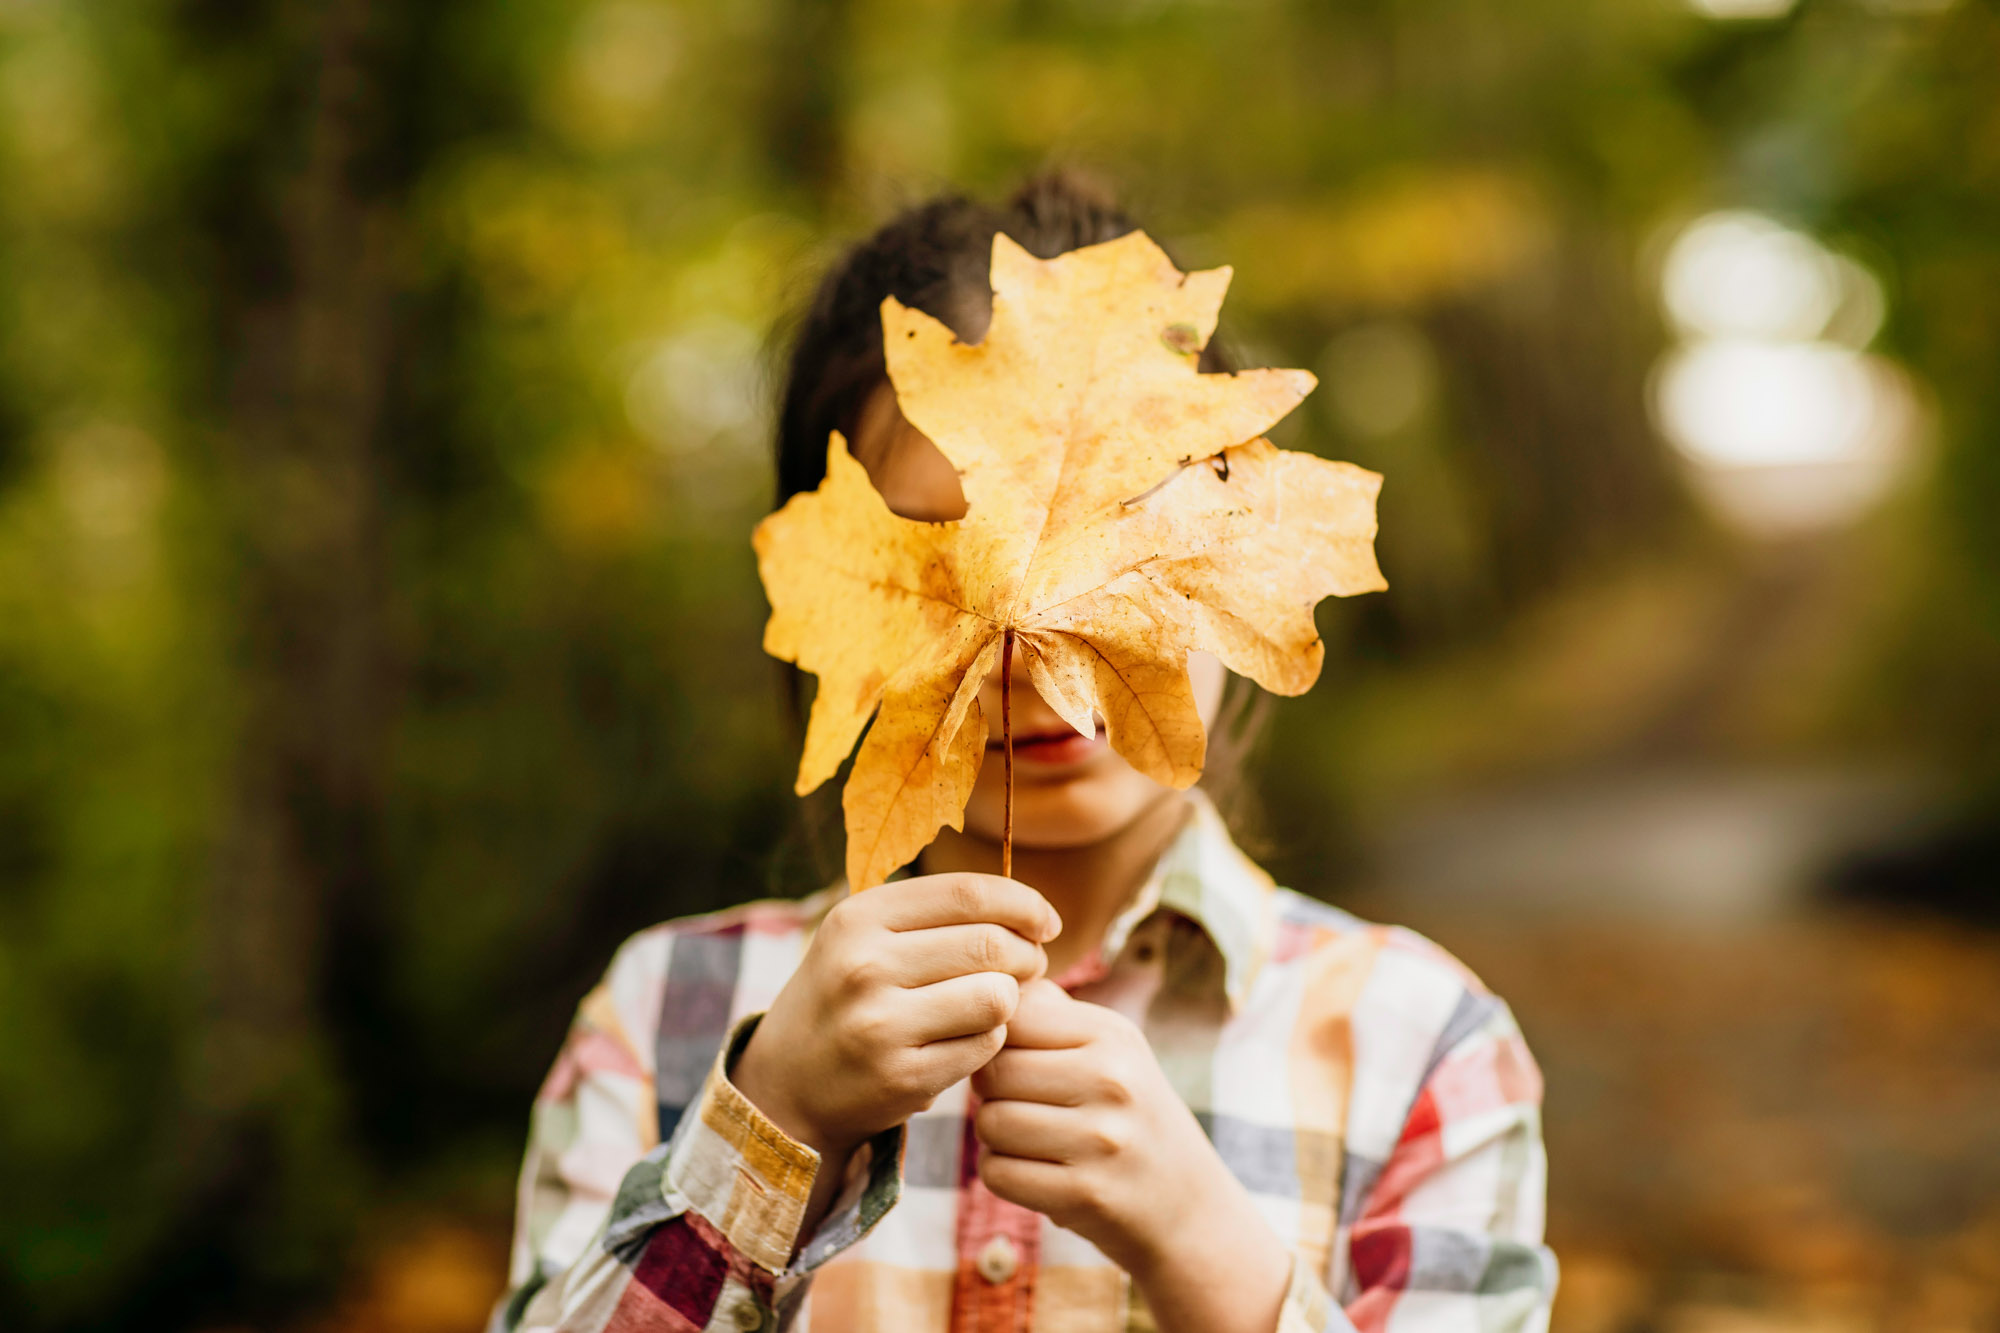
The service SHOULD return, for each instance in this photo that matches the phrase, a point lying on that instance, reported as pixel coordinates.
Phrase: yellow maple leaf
(1116, 518)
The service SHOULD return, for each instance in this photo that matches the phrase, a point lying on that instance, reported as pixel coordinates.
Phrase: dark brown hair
(934, 257)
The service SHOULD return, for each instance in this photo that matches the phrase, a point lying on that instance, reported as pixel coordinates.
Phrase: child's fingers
(1044, 1133)
(946, 1062)
(950, 900)
(1042, 1186)
(1048, 1018)
(959, 1007)
(924, 956)
(1052, 1077)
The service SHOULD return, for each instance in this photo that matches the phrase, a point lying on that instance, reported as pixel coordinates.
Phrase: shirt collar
(1206, 878)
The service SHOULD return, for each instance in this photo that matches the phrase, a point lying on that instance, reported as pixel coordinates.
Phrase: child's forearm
(1227, 1275)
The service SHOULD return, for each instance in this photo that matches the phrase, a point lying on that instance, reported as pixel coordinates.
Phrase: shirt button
(997, 1260)
(748, 1316)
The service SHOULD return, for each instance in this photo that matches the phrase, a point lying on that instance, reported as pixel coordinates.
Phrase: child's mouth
(1054, 748)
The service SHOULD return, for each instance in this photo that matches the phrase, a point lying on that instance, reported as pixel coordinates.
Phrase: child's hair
(934, 257)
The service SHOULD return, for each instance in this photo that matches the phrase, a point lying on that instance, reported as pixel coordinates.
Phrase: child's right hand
(904, 990)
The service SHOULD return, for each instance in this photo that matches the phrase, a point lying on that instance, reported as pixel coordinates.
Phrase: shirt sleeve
(1450, 1234)
(695, 1233)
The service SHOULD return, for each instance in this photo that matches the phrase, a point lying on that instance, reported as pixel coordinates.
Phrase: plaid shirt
(1379, 1105)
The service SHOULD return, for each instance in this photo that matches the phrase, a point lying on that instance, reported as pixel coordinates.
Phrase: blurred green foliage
(382, 397)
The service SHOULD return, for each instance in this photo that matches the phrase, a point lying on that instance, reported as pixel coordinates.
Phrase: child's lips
(1061, 748)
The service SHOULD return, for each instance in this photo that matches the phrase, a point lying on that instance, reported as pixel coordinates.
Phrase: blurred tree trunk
(305, 308)
(803, 97)
(1557, 438)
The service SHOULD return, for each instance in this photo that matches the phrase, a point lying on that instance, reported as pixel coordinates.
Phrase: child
(1150, 1091)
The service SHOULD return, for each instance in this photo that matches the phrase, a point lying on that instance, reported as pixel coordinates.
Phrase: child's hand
(905, 990)
(1080, 1123)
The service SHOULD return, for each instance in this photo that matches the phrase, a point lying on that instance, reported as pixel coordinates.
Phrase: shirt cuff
(751, 1181)
(876, 1183)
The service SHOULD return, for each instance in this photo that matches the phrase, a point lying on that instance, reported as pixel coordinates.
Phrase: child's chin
(1067, 814)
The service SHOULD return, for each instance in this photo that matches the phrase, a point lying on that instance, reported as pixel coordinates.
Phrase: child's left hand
(1080, 1123)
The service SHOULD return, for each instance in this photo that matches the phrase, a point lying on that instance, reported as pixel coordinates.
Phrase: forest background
(383, 401)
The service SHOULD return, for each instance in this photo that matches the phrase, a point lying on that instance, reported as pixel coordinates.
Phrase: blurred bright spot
(1743, 9)
(1786, 436)
(111, 479)
(696, 387)
(622, 61)
(1739, 274)
(1379, 378)
(1858, 317)
(625, 51)
(1786, 422)
(1737, 403)
(59, 146)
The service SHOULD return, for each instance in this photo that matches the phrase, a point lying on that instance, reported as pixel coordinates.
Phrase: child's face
(1069, 790)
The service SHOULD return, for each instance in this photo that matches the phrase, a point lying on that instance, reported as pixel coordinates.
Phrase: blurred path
(1766, 1114)
(1786, 1124)
(1711, 842)
(1777, 585)
(1664, 809)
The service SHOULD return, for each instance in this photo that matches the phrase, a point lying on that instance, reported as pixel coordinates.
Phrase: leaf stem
(1007, 750)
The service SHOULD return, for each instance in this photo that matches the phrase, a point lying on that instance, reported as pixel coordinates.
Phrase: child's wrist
(757, 1077)
(1217, 1229)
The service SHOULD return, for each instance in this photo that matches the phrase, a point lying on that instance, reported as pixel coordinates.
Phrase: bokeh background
(383, 397)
